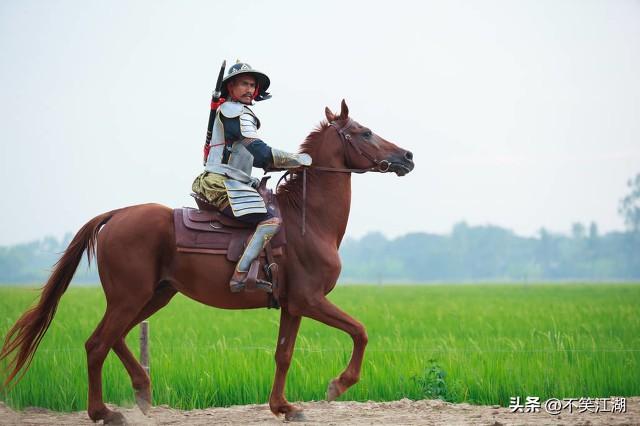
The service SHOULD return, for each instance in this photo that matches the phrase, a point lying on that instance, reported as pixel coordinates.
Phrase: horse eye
(367, 134)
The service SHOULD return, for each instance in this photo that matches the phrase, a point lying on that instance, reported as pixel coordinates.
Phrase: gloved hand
(287, 160)
(255, 182)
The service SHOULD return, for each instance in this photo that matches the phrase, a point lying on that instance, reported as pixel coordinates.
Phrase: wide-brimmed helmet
(262, 81)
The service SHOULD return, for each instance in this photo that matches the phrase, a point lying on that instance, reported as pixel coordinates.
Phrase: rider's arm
(261, 152)
(270, 159)
(262, 156)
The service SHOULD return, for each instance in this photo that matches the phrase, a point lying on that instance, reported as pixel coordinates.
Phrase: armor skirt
(211, 186)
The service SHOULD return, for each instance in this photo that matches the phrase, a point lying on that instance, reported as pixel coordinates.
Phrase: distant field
(474, 343)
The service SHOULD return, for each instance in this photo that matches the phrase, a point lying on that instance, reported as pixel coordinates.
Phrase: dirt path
(403, 412)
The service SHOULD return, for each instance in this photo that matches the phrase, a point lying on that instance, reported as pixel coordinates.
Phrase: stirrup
(249, 281)
(238, 286)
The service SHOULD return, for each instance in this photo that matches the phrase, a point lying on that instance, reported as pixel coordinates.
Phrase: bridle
(380, 166)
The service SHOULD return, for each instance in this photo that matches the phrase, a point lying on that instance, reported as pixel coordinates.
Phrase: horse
(314, 204)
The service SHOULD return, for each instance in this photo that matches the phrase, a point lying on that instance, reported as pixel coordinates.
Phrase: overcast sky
(522, 114)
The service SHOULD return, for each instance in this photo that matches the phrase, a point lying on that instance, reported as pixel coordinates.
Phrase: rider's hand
(255, 182)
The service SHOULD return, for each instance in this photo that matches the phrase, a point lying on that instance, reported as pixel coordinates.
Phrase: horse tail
(26, 334)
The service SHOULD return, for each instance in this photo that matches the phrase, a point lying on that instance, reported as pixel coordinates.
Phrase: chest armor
(236, 157)
(240, 158)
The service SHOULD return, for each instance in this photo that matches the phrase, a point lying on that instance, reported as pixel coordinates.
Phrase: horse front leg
(289, 325)
(326, 312)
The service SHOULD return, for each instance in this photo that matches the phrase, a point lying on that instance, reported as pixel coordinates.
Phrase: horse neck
(328, 204)
(328, 194)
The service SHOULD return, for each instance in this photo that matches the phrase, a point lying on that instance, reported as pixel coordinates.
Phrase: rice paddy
(474, 343)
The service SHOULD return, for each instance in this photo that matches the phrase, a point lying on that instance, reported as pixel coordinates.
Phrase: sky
(521, 114)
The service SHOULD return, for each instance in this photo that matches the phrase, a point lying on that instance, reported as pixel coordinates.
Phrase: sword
(215, 103)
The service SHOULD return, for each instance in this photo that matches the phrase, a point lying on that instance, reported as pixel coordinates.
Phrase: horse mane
(309, 144)
(290, 191)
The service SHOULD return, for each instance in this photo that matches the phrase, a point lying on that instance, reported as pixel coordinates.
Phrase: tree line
(468, 253)
(491, 253)
(32, 263)
(484, 253)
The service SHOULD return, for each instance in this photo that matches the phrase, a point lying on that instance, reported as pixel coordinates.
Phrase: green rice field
(475, 343)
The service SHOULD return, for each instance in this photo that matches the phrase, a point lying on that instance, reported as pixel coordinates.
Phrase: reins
(381, 166)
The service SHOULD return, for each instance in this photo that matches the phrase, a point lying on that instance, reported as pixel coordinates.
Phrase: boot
(261, 236)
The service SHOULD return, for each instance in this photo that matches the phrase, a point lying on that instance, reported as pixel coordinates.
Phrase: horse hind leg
(140, 380)
(114, 323)
(121, 310)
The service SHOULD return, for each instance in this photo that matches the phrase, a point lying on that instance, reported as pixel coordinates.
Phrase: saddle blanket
(211, 232)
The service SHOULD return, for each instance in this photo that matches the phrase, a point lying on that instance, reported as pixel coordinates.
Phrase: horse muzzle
(400, 164)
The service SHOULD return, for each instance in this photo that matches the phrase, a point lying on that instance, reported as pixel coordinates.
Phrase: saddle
(207, 231)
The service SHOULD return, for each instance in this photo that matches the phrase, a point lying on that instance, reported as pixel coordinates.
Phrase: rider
(235, 148)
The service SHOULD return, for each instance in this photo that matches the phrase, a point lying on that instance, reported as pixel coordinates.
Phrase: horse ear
(330, 116)
(344, 110)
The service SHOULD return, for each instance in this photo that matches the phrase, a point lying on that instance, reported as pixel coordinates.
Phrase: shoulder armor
(232, 109)
(249, 124)
(249, 111)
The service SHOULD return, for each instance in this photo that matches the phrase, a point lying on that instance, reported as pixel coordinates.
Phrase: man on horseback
(235, 148)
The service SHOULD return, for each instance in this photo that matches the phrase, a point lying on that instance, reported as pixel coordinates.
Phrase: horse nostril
(408, 155)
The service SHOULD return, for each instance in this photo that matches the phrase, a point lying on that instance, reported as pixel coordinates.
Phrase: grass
(475, 343)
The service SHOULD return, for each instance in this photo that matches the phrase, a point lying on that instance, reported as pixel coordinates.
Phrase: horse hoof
(115, 418)
(333, 391)
(143, 400)
(295, 416)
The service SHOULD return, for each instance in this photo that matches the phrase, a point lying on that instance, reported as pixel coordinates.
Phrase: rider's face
(242, 88)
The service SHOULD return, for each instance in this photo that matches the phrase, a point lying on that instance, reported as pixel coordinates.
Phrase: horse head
(366, 151)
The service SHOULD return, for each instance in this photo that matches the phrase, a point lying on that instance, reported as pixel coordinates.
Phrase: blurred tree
(578, 231)
(547, 254)
(629, 206)
(593, 231)
(468, 253)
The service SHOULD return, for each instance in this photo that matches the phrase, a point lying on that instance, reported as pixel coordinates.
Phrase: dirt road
(403, 412)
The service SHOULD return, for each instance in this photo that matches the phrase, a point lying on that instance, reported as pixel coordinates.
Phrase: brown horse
(141, 270)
